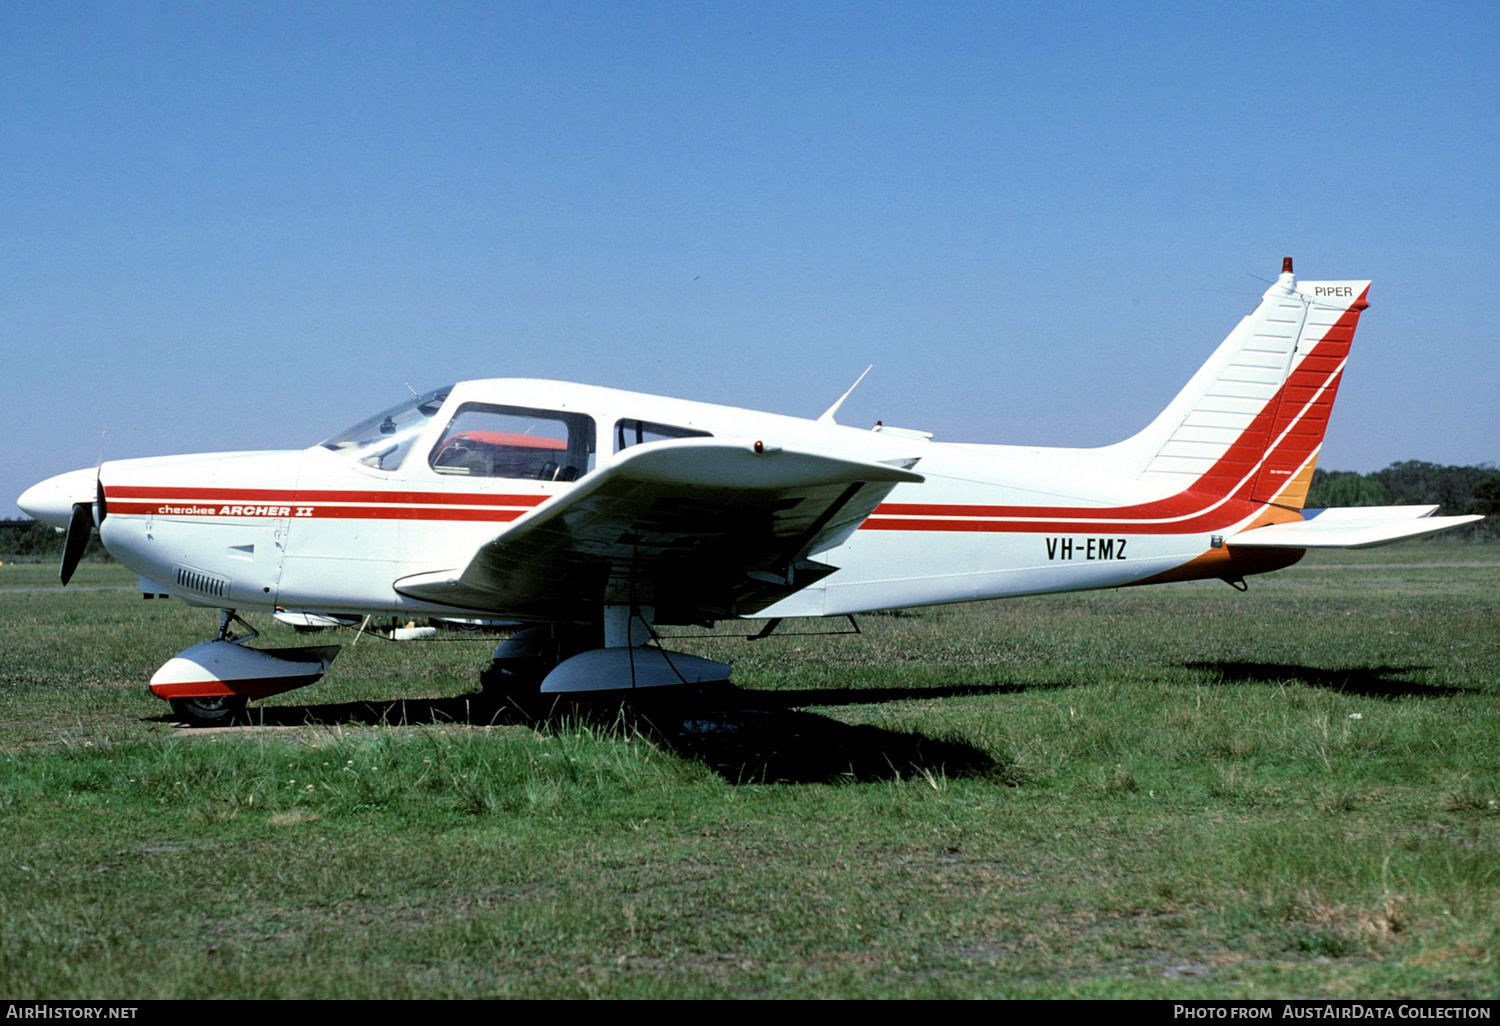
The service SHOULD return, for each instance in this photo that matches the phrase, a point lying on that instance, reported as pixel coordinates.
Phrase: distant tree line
(25, 541)
(1413, 482)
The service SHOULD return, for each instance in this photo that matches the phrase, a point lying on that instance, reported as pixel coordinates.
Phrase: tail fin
(1255, 413)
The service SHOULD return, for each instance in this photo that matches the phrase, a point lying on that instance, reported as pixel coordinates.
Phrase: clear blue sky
(234, 226)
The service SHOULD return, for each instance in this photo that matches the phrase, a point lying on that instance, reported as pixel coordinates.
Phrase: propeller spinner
(67, 502)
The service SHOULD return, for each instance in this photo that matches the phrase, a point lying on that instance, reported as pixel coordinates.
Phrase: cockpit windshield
(383, 441)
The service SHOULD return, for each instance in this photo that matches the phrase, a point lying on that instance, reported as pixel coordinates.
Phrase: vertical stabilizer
(1251, 421)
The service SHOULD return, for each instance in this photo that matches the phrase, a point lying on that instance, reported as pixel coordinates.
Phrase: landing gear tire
(215, 711)
(513, 680)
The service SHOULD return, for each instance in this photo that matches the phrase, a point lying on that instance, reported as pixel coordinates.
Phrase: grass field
(1158, 792)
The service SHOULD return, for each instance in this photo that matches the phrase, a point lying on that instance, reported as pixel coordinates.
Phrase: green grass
(1168, 792)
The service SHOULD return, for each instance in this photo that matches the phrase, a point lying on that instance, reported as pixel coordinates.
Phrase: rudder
(1305, 400)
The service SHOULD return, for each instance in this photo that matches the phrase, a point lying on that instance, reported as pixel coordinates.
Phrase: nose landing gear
(209, 683)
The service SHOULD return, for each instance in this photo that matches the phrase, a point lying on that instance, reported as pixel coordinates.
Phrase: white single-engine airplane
(596, 514)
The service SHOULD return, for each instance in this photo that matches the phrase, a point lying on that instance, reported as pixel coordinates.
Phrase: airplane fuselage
(316, 529)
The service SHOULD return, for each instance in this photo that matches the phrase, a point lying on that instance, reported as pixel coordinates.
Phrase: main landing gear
(613, 655)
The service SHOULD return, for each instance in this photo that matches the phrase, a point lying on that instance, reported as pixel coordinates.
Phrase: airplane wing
(700, 528)
(1354, 527)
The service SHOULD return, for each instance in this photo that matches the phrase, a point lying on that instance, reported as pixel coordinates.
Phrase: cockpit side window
(512, 441)
(640, 432)
(383, 441)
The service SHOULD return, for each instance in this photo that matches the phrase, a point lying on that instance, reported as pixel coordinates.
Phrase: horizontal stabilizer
(1355, 527)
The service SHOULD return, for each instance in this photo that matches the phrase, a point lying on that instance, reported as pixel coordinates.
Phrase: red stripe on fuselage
(1233, 511)
(287, 496)
(308, 511)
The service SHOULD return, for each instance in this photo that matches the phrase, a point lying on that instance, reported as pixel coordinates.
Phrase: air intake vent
(203, 583)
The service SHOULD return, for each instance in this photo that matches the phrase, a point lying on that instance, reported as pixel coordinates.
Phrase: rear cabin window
(639, 432)
(515, 442)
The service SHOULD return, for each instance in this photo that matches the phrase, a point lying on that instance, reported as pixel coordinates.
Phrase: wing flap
(701, 526)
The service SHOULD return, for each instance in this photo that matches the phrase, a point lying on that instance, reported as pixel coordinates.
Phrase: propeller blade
(79, 529)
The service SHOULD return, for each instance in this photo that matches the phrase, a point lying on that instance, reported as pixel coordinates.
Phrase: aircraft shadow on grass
(1367, 681)
(744, 736)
